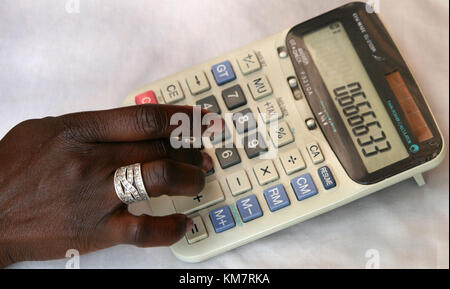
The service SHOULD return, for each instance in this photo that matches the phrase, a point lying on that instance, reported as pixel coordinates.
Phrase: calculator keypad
(276, 196)
(234, 97)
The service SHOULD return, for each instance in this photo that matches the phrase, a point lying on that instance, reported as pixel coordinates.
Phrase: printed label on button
(327, 178)
(303, 187)
(221, 219)
(276, 198)
(146, 97)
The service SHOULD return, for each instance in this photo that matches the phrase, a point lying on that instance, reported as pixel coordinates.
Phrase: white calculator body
(351, 121)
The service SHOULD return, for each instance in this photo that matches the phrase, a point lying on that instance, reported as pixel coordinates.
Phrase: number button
(249, 208)
(210, 104)
(223, 73)
(260, 87)
(172, 92)
(244, 121)
(211, 195)
(238, 183)
(221, 219)
(146, 97)
(198, 231)
(248, 62)
(265, 172)
(315, 153)
(227, 157)
(270, 111)
(254, 145)
(292, 161)
(281, 135)
(234, 97)
(197, 82)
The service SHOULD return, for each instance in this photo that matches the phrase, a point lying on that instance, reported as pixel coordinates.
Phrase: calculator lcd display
(355, 97)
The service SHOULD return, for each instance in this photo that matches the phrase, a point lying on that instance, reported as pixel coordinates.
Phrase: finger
(122, 154)
(143, 231)
(172, 178)
(133, 123)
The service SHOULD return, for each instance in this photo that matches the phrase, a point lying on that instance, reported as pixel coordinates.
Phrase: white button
(292, 161)
(211, 195)
(172, 92)
(270, 110)
(197, 82)
(198, 231)
(315, 153)
(239, 183)
(260, 87)
(281, 134)
(265, 172)
(248, 62)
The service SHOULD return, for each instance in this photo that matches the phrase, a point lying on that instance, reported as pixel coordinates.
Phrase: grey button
(244, 121)
(234, 97)
(209, 103)
(227, 157)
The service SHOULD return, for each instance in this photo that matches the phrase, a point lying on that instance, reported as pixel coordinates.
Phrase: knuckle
(151, 119)
(137, 233)
(160, 176)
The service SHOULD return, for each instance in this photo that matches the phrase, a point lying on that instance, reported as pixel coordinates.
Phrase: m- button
(315, 153)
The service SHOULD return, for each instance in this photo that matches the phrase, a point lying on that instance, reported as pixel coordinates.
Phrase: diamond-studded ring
(129, 185)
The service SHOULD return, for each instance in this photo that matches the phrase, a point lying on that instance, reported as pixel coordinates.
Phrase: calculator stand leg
(419, 180)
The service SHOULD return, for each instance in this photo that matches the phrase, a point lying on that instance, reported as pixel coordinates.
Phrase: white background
(54, 62)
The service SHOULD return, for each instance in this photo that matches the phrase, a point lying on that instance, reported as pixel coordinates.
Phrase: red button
(146, 97)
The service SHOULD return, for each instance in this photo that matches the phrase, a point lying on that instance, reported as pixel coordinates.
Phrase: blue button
(249, 208)
(327, 178)
(223, 72)
(276, 198)
(221, 219)
(303, 187)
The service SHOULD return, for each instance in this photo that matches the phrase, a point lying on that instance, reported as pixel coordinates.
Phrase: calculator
(351, 120)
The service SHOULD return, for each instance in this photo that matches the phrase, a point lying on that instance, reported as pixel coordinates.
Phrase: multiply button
(172, 92)
(221, 219)
(265, 172)
(303, 187)
(315, 153)
(223, 73)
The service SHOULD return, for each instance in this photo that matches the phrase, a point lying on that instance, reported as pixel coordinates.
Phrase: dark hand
(56, 182)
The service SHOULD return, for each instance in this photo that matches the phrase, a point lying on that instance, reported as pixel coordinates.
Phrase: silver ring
(129, 185)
